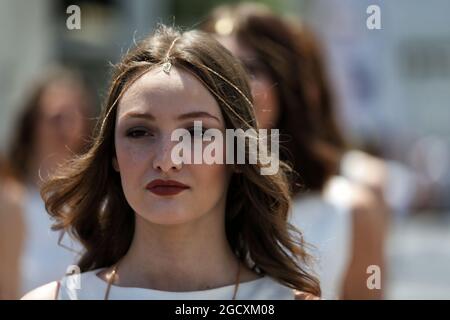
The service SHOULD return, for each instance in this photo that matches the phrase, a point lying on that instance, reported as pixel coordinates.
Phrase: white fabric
(401, 182)
(88, 286)
(42, 260)
(326, 223)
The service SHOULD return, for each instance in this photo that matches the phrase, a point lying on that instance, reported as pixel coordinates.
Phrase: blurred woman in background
(345, 221)
(54, 125)
(11, 233)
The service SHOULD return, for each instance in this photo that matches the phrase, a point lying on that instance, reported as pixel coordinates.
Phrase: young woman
(157, 229)
(53, 125)
(341, 219)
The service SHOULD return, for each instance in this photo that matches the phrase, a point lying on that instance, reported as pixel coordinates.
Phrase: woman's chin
(167, 216)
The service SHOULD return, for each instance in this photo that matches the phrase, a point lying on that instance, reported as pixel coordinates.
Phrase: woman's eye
(137, 133)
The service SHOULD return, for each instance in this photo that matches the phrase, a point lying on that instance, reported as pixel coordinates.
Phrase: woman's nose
(162, 160)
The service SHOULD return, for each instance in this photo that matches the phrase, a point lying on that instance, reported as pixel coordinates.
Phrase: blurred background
(392, 87)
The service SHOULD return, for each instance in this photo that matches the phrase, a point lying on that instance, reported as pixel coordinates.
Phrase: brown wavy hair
(85, 195)
(292, 59)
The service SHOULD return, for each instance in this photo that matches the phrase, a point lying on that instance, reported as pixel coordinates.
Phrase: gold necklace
(112, 278)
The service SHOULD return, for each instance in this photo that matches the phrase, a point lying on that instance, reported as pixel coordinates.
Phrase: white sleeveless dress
(88, 286)
(325, 221)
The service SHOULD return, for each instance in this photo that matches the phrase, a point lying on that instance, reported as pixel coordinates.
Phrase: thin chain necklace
(113, 275)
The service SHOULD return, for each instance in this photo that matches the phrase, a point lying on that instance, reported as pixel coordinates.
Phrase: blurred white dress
(88, 286)
(400, 185)
(43, 260)
(326, 223)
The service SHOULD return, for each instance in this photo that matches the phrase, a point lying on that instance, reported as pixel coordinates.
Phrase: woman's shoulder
(45, 292)
(69, 287)
(344, 192)
(362, 202)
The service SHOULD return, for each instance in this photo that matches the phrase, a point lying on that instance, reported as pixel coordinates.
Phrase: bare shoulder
(301, 295)
(45, 292)
(375, 169)
(363, 197)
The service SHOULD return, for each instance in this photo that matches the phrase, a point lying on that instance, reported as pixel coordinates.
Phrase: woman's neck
(188, 257)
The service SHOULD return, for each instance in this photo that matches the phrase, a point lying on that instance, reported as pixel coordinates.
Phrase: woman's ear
(115, 164)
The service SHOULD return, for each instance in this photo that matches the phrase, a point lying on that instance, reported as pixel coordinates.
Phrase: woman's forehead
(174, 92)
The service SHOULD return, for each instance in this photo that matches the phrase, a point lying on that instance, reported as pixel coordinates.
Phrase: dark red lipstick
(166, 187)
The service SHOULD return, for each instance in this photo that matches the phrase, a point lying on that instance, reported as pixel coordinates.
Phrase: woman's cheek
(213, 177)
(130, 158)
(134, 150)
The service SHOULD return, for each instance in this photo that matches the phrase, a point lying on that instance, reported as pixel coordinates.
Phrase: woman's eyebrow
(189, 115)
(141, 115)
(197, 114)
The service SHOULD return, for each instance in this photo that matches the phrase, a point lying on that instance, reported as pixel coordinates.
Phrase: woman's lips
(166, 187)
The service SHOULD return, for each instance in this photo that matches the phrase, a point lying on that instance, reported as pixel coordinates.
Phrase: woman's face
(62, 124)
(149, 111)
(263, 89)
